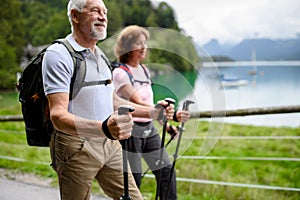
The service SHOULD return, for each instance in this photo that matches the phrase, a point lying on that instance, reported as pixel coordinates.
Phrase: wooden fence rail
(11, 118)
(209, 114)
(246, 112)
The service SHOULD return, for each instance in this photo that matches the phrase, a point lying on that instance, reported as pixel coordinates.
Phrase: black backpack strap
(146, 73)
(79, 68)
(90, 83)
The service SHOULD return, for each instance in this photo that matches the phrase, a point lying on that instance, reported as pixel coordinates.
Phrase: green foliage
(11, 41)
(8, 64)
(115, 18)
(165, 16)
(123, 13)
(174, 49)
(12, 23)
(40, 22)
(44, 23)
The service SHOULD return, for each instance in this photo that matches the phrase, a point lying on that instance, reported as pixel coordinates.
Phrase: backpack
(129, 73)
(34, 103)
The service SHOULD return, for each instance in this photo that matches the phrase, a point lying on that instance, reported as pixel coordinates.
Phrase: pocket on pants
(67, 147)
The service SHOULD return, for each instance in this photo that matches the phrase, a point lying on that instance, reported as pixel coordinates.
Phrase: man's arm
(119, 126)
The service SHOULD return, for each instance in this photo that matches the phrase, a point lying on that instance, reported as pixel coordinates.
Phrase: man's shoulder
(58, 48)
(57, 54)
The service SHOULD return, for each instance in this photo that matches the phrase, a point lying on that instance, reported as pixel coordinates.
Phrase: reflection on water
(268, 86)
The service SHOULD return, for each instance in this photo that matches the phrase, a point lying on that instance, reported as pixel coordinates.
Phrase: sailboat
(232, 81)
(254, 69)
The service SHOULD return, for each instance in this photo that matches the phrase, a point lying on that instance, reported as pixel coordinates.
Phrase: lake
(250, 85)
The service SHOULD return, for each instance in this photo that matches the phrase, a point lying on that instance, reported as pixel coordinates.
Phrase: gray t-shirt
(92, 102)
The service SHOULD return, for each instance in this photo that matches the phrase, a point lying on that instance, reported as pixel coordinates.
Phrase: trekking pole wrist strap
(175, 117)
(171, 130)
(106, 130)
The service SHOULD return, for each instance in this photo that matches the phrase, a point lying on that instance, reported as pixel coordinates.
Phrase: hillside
(265, 49)
(27, 24)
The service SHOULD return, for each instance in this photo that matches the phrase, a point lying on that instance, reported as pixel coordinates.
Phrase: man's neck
(82, 41)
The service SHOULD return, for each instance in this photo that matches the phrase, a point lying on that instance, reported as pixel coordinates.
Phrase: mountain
(265, 49)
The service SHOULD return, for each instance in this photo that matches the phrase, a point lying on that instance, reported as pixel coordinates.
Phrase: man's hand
(120, 126)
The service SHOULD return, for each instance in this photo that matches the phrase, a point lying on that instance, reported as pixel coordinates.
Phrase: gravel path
(16, 190)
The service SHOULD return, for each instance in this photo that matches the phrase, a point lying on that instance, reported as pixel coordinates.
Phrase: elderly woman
(132, 82)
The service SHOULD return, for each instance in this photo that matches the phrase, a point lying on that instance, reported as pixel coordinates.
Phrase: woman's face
(139, 48)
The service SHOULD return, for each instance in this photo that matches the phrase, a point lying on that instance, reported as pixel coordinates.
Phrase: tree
(151, 20)
(165, 16)
(115, 18)
(58, 26)
(39, 22)
(11, 41)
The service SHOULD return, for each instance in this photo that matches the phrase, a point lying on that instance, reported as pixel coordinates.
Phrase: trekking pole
(170, 140)
(122, 110)
(181, 129)
(165, 121)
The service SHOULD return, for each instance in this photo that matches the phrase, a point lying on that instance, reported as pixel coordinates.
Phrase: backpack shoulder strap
(146, 72)
(129, 73)
(127, 70)
(79, 68)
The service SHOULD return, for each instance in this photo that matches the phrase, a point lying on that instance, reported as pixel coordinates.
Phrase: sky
(230, 21)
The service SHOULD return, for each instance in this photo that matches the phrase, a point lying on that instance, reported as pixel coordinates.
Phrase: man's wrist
(106, 130)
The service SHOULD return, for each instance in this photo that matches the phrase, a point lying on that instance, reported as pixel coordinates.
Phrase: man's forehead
(95, 3)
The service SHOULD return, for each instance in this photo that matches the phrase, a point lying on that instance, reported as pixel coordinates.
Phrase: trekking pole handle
(186, 104)
(124, 109)
(170, 101)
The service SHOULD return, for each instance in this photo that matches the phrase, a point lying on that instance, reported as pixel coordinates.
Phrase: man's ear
(74, 15)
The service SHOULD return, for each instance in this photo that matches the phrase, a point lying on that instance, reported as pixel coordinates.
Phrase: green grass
(9, 103)
(36, 160)
(254, 172)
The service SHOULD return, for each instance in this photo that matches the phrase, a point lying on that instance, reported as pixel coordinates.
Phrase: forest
(39, 22)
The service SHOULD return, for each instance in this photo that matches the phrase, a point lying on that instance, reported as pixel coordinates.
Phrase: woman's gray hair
(77, 5)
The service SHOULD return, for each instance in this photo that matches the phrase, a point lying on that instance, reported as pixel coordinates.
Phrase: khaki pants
(78, 161)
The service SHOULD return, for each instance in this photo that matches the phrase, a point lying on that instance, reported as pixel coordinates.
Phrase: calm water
(269, 86)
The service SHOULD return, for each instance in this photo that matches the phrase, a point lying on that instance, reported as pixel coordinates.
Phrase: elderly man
(85, 144)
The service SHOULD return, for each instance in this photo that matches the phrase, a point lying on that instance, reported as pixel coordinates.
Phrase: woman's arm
(128, 92)
(147, 111)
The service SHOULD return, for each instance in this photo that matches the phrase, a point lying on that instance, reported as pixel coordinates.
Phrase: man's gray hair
(77, 5)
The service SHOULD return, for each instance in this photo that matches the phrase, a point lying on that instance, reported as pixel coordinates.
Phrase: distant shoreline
(252, 63)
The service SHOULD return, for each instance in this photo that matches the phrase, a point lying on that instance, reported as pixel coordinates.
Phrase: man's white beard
(98, 35)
